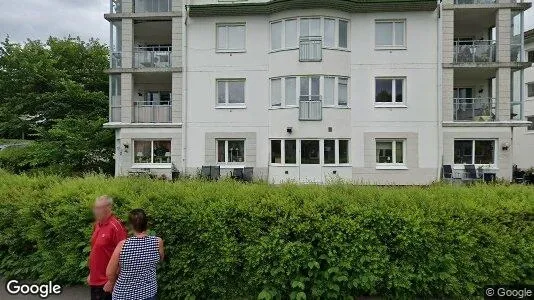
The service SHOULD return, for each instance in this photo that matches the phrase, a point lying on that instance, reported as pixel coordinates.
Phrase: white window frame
(227, 25)
(473, 153)
(227, 104)
(394, 164)
(393, 46)
(393, 102)
(321, 152)
(151, 163)
(226, 156)
(335, 104)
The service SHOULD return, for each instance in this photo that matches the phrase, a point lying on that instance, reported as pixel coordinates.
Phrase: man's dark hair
(138, 220)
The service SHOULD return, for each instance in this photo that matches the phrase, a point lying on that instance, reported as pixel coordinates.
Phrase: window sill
(297, 48)
(231, 107)
(282, 107)
(231, 51)
(230, 166)
(401, 105)
(377, 48)
(151, 166)
(391, 167)
(347, 165)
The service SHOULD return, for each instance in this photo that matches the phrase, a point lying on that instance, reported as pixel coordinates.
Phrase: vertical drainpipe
(439, 93)
(185, 15)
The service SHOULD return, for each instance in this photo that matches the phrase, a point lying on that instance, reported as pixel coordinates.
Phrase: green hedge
(228, 240)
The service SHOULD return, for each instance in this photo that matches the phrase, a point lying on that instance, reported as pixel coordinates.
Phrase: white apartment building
(375, 92)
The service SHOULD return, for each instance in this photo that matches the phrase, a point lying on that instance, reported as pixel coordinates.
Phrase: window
(284, 90)
(290, 151)
(390, 34)
(310, 27)
(283, 148)
(333, 31)
(157, 98)
(336, 151)
(231, 37)
(329, 33)
(310, 88)
(152, 152)
(309, 152)
(473, 152)
(530, 89)
(329, 151)
(276, 92)
(291, 91)
(329, 90)
(276, 35)
(389, 90)
(276, 151)
(230, 92)
(291, 33)
(390, 152)
(343, 34)
(530, 55)
(230, 151)
(531, 125)
(343, 151)
(343, 91)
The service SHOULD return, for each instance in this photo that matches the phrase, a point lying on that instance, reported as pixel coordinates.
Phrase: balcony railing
(144, 112)
(475, 109)
(151, 6)
(311, 48)
(474, 51)
(515, 52)
(149, 57)
(115, 109)
(115, 6)
(311, 109)
(474, 1)
(116, 59)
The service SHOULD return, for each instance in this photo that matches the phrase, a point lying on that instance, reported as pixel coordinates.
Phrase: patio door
(463, 104)
(310, 161)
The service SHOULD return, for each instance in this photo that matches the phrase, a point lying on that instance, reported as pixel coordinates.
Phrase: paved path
(69, 293)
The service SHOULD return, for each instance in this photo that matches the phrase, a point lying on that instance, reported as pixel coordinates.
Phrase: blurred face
(101, 210)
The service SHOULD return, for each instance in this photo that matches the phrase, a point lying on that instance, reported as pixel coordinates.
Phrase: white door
(310, 162)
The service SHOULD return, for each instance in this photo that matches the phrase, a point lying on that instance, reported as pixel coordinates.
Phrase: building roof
(274, 6)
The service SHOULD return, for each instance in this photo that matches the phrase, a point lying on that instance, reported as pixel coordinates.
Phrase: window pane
(291, 151)
(221, 92)
(484, 152)
(304, 88)
(276, 151)
(236, 92)
(383, 90)
(384, 152)
(236, 151)
(463, 152)
(343, 34)
(329, 32)
(220, 151)
(142, 150)
(530, 90)
(291, 91)
(222, 37)
(399, 152)
(384, 33)
(399, 85)
(315, 27)
(329, 151)
(329, 86)
(343, 152)
(399, 33)
(531, 125)
(236, 37)
(162, 152)
(315, 88)
(276, 35)
(304, 27)
(343, 91)
(309, 152)
(291, 33)
(276, 92)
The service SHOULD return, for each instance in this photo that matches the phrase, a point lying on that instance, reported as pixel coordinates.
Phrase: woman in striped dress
(134, 262)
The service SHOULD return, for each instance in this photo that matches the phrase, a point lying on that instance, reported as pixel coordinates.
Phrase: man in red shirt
(108, 231)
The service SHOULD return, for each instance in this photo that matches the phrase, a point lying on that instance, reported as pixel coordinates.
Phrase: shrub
(228, 240)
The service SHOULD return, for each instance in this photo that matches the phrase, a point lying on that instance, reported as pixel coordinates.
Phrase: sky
(38, 19)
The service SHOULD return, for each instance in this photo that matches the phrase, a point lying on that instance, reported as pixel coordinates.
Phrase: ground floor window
(335, 151)
(152, 151)
(531, 125)
(474, 152)
(390, 152)
(230, 151)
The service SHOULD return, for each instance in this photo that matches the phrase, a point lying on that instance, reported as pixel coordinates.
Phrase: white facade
(310, 92)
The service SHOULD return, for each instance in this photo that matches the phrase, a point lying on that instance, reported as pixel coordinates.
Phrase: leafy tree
(57, 94)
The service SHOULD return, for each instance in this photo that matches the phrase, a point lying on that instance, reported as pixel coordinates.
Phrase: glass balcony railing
(475, 109)
(115, 109)
(152, 6)
(115, 6)
(474, 51)
(152, 57)
(515, 52)
(311, 109)
(146, 112)
(116, 59)
(311, 48)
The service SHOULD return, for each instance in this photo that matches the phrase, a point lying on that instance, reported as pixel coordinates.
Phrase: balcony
(474, 51)
(475, 109)
(311, 109)
(145, 112)
(475, 1)
(152, 57)
(116, 59)
(152, 6)
(311, 49)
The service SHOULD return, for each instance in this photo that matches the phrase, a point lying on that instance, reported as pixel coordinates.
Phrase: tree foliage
(55, 93)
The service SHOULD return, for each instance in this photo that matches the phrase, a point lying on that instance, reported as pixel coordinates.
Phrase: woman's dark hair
(138, 220)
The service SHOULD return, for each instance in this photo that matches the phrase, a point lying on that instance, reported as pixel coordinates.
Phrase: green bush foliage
(228, 240)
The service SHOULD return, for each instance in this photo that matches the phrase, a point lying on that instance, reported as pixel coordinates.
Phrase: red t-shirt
(106, 235)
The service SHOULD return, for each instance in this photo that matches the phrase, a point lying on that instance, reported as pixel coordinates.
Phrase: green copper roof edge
(274, 6)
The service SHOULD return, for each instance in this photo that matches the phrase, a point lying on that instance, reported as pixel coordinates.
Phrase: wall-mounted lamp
(505, 146)
(289, 130)
(126, 146)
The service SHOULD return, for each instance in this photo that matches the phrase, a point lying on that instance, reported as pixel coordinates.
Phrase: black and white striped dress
(138, 261)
